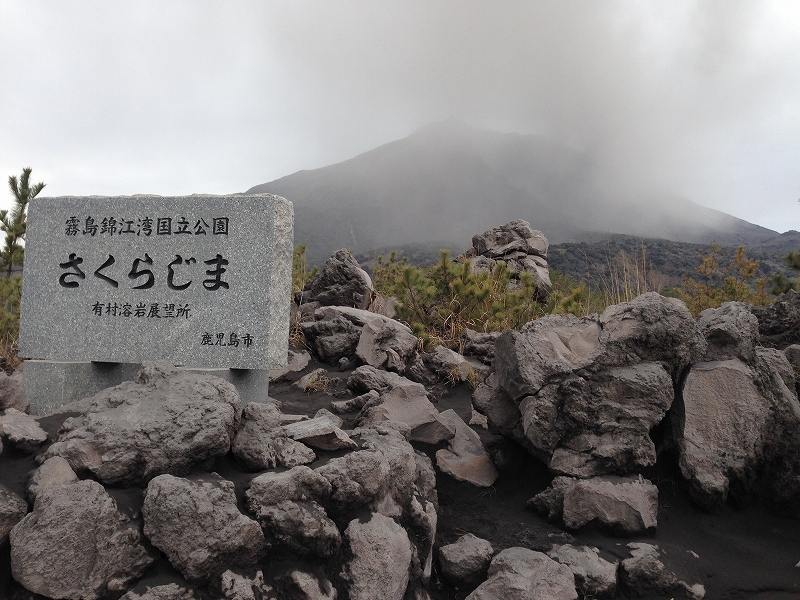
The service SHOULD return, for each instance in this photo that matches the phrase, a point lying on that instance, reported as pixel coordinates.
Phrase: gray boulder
(619, 505)
(12, 394)
(332, 339)
(465, 458)
(643, 575)
(167, 421)
(354, 404)
(731, 331)
(411, 407)
(625, 506)
(523, 574)
(381, 554)
(21, 431)
(779, 323)
(77, 544)
(288, 507)
(594, 576)
(466, 562)
(341, 282)
(479, 345)
(198, 526)
(452, 367)
(386, 344)
(366, 378)
(320, 432)
(53, 471)
(261, 443)
(12, 510)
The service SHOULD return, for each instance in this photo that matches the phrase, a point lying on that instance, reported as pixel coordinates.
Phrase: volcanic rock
(198, 526)
(619, 505)
(594, 576)
(77, 544)
(522, 573)
(12, 510)
(261, 443)
(465, 562)
(465, 458)
(21, 431)
(53, 471)
(643, 575)
(341, 282)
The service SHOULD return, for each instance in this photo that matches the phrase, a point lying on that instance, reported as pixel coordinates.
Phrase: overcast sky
(168, 97)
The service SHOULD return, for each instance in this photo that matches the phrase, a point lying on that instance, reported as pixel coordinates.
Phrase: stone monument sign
(203, 281)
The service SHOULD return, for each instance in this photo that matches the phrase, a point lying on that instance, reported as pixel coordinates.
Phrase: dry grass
(9, 356)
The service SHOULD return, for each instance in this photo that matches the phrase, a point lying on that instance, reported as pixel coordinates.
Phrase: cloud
(181, 97)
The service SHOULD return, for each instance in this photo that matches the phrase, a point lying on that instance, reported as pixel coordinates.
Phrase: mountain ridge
(448, 181)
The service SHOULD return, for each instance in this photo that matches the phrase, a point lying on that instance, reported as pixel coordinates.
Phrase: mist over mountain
(448, 181)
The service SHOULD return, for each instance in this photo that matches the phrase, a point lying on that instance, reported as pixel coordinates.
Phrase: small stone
(354, 404)
(595, 576)
(319, 432)
(314, 381)
(53, 471)
(21, 430)
(465, 458)
(465, 563)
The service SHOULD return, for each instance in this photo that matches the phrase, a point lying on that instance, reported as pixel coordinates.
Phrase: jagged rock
(287, 505)
(77, 544)
(53, 471)
(594, 576)
(410, 406)
(585, 427)
(235, 586)
(479, 345)
(302, 585)
(521, 247)
(793, 356)
(167, 421)
(478, 419)
(341, 282)
(643, 575)
(525, 574)
(722, 438)
(262, 444)
(12, 510)
(381, 559)
(319, 432)
(21, 431)
(332, 339)
(325, 413)
(465, 562)
(198, 526)
(386, 344)
(731, 331)
(296, 361)
(366, 378)
(502, 413)
(354, 404)
(619, 505)
(465, 458)
(12, 394)
(452, 367)
(550, 502)
(779, 323)
(171, 591)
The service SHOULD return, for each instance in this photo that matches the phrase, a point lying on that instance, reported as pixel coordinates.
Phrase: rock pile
(523, 250)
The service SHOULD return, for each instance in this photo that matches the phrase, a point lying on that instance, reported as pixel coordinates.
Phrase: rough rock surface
(198, 526)
(386, 344)
(77, 544)
(21, 431)
(550, 502)
(620, 505)
(479, 345)
(288, 507)
(354, 404)
(411, 407)
(465, 562)
(452, 367)
(261, 443)
(53, 471)
(332, 339)
(167, 421)
(366, 378)
(465, 459)
(731, 331)
(341, 282)
(723, 435)
(779, 323)
(303, 585)
(594, 576)
(170, 591)
(519, 573)
(12, 394)
(522, 248)
(296, 361)
(643, 575)
(381, 559)
(12, 510)
(320, 432)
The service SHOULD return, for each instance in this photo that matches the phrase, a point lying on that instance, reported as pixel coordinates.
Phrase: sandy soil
(743, 553)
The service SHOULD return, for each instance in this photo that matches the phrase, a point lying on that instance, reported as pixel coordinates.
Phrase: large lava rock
(779, 323)
(167, 421)
(198, 526)
(583, 394)
(341, 282)
(77, 544)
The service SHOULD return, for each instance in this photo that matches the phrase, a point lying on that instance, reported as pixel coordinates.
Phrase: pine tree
(13, 224)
